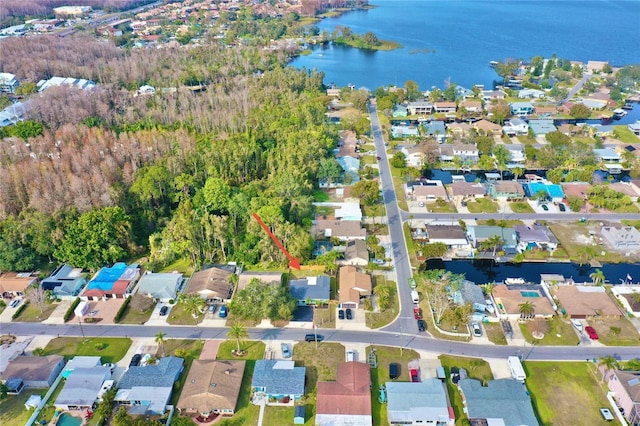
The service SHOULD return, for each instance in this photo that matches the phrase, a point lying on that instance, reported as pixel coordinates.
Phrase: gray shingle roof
(162, 374)
(279, 377)
(408, 402)
(82, 386)
(306, 289)
(504, 399)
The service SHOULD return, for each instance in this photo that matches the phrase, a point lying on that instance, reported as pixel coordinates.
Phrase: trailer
(517, 371)
(81, 309)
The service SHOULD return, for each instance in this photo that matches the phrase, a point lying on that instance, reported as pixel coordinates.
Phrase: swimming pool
(530, 294)
(68, 420)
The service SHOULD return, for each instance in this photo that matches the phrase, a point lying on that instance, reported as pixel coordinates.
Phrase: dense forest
(103, 175)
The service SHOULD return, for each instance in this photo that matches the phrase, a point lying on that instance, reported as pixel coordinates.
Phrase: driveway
(104, 309)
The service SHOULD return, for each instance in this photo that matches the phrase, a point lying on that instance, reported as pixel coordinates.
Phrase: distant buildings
(79, 83)
(8, 83)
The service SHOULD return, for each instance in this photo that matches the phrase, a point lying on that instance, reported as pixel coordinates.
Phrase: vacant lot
(556, 332)
(482, 205)
(380, 319)
(138, 311)
(109, 349)
(521, 207)
(616, 332)
(566, 393)
(495, 334)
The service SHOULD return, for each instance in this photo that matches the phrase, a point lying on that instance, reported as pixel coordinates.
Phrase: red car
(415, 375)
(417, 313)
(591, 332)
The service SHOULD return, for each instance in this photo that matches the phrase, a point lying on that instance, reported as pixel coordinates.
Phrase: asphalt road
(406, 340)
(399, 252)
(556, 217)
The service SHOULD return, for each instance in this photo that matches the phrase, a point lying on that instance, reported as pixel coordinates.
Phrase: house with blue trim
(65, 282)
(522, 108)
(554, 192)
(280, 382)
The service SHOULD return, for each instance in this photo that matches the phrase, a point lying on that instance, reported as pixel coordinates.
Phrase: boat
(514, 281)
(627, 106)
(493, 64)
(618, 113)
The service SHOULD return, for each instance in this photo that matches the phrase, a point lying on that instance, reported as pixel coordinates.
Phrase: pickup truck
(415, 375)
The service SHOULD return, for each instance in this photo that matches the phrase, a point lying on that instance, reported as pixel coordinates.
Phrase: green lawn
(556, 331)
(114, 351)
(380, 319)
(566, 393)
(625, 135)
(325, 317)
(521, 207)
(180, 265)
(495, 334)
(278, 416)
(476, 368)
(374, 210)
(32, 313)
(320, 196)
(380, 375)
(482, 205)
(12, 411)
(254, 349)
(179, 316)
(441, 206)
(618, 332)
(132, 315)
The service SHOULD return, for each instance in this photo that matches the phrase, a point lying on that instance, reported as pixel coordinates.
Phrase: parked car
(223, 311)
(313, 337)
(394, 370)
(577, 324)
(378, 158)
(135, 360)
(164, 310)
(421, 325)
(378, 261)
(591, 332)
(286, 353)
(349, 313)
(14, 303)
(212, 308)
(606, 414)
(417, 313)
(477, 331)
(562, 207)
(110, 365)
(341, 314)
(415, 375)
(545, 207)
(351, 355)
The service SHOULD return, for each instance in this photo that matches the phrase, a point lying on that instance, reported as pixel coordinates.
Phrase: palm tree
(238, 332)
(160, 340)
(526, 309)
(597, 277)
(383, 293)
(492, 243)
(193, 304)
(609, 363)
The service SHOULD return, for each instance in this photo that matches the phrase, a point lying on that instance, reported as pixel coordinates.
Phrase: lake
(462, 36)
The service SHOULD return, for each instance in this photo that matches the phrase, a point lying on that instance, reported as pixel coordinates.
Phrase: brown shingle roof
(466, 188)
(341, 228)
(353, 284)
(585, 303)
(511, 298)
(507, 186)
(350, 394)
(213, 280)
(31, 368)
(211, 385)
(13, 281)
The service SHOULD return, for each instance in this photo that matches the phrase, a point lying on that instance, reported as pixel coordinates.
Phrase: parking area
(357, 321)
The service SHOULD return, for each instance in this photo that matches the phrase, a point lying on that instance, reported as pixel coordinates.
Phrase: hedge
(120, 312)
(18, 311)
(67, 315)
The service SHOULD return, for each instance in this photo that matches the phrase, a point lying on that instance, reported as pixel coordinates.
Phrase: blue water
(68, 420)
(462, 36)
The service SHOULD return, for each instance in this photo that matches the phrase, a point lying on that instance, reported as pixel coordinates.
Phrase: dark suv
(313, 338)
(421, 325)
(135, 360)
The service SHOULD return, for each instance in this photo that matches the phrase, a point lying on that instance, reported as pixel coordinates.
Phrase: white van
(415, 297)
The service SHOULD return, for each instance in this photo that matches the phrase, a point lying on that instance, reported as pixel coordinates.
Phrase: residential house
(470, 293)
(445, 106)
(400, 111)
(577, 189)
(404, 131)
(464, 190)
(33, 371)
(15, 284)
(481, 233)
(354, 286)
(623, 237)
(344, 230)
(429, 191)
(65, 282)
(418, 403)
(147, 389)
(467, 154)
(536, 237)
(162, 287)
(8, 82)
(586, 301)
(435, 129)
(635, 127)
(625, 386)
(334, 92)
(346, 211)
(311, 290)
(213, 282)
(347, 400)
(531, 94)
(522, 108)
(459, 130)
(546, 110)
(490, 95)
(279, 382)
(212, 387)
(506, 189)
(420, 108)
(413, 156)
(486, 127)
(350, 165)
(510, 298)
(80, 391)
(471, 105)
(607, 155)
(13, 113)
(551, 191)
(601, 130)
(268, 278)
(596, 66)
(79, 83)
(515, 126)
(626, 188)
(115, 282)
(80, 361)
(516, 153)
(451, 235)
(356, 253)
(628, 296)
(502, 402)
(542, 127)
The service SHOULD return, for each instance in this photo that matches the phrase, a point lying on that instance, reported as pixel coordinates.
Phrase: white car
(577, 324)
(351, 355)
(477, 331)
(606, 414)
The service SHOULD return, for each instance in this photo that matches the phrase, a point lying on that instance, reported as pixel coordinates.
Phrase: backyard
(109, 349)
(557, 386)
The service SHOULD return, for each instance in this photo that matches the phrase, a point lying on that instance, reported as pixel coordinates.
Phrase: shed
(33, 401)
(299, 415)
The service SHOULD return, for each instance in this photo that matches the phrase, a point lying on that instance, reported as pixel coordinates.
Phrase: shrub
(74, 305)
(100, 346)
(120, 312)
(18, 311)
(38, 351)
(3, 304)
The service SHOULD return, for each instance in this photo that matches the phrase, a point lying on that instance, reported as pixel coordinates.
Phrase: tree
(367, 190)
(526, 309)
(517, 172)
(3, 391)
(159, 338)
(329, 170)
(38, 296)
(502, 156)
(579, 111)
(432, 250)
(609, 363)
(507, 68)
(239, 333)
(217, 193)
(193, 304)
(412, 90)
(486, 162)
(492, 243)
(399, 160)
(383, 293)
(597, 277)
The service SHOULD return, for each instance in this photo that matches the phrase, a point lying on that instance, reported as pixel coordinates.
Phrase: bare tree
(38, 296)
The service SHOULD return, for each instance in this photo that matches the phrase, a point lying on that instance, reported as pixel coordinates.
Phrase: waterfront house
(33, 371)
(212, 387)
(627, 188)
(413, 155)
(435, 129)
(213, 283)
(486, 127)
(509, 298)
(481, 233)
(459, 130)
(531, 94)
(354, 287)
(15, 284)
(467, 154)
(537, 237)
(516, 153)
(606, 155)
(515, 127)
(489, 95)
(404, 131)
(311, 290)
(552, 191)
(586, 301)
(628, 296)
(418, 403)
(420, 108)
(471, 105)
(546, 110)
(542, 127)
(400, 111)
(507, 190)
(80, 391)
(445, 106)
(277, 382)
(635, 127)
(625, 386)
(621, 237)
(522, 108)
(504, 401)
(347, 400)
(596, 66)
(462, 190)
(429, 191)
(452, 235)
(162, 287)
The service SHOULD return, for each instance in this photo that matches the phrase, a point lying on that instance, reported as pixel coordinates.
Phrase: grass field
(482, 205)
(325, 317)
(612, 332)
(135, 316)
(495, 334)
(380, 319)
(179, 316)
(521, 207)
(114, 350)
(566, 393)
(556, 331)
(32, 313)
